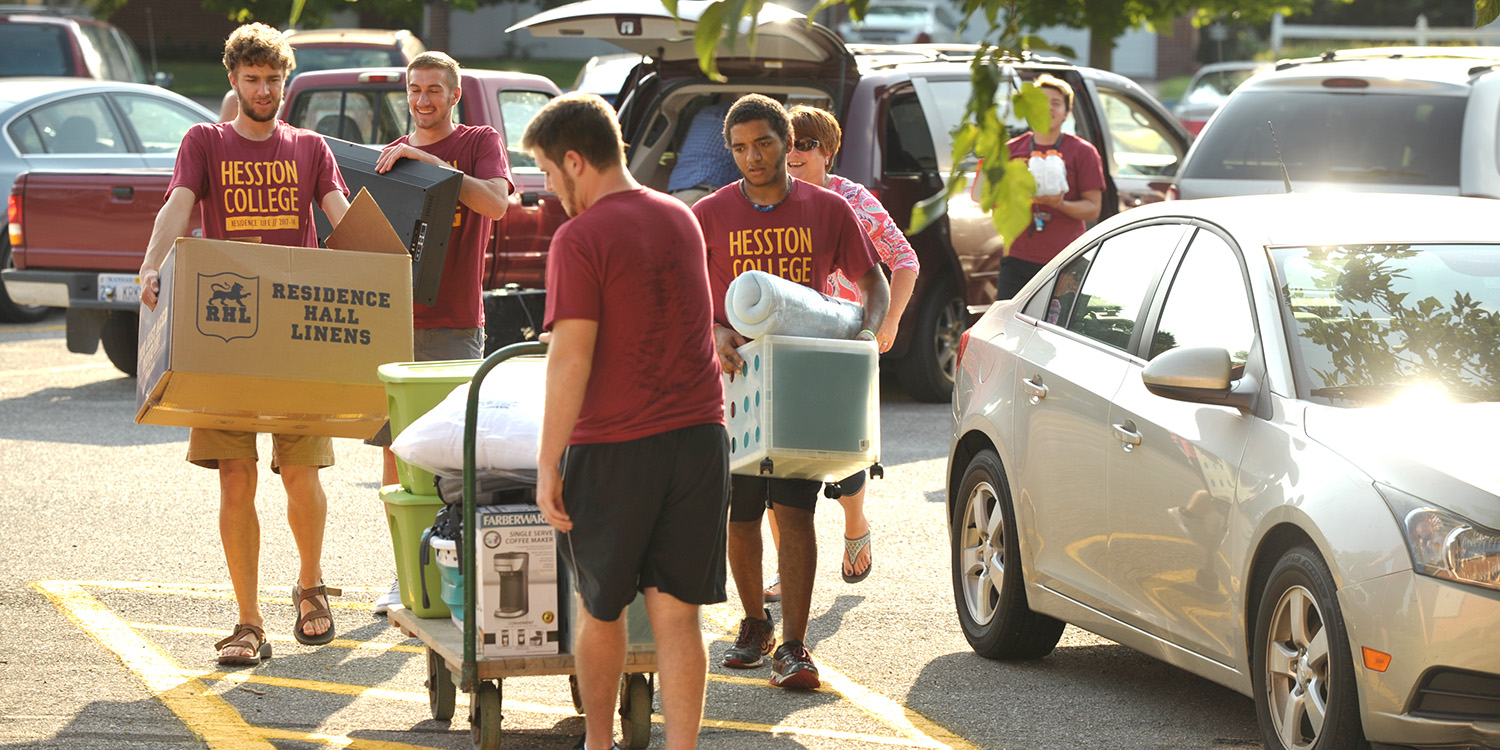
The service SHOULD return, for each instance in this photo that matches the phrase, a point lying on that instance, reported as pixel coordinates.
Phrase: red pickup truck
(79, 237)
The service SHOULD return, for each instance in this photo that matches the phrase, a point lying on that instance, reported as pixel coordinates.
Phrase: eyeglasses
(805, 144)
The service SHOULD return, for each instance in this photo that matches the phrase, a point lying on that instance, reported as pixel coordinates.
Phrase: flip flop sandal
(852, 548)
(248, 637)
(300, 595)
(775, 583)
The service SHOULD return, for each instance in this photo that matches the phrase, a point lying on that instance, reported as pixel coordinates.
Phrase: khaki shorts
(207, 447)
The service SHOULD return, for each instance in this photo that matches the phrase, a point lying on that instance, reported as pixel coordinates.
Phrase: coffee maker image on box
(512, 584)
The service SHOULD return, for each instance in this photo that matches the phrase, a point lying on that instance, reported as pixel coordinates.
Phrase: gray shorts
(437, 345)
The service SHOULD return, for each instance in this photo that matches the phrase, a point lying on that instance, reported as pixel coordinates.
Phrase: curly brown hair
(751, 107)
(258, 44)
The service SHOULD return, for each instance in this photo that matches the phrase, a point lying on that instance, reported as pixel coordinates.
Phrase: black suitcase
(512, 315)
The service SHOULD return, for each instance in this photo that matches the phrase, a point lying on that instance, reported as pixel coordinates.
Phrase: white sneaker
(385, 601)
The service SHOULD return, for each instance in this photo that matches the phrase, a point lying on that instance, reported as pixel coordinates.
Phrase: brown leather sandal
(300, 595)
(248, 637)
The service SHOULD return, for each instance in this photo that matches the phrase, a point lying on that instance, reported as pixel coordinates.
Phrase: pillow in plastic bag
(506, 434)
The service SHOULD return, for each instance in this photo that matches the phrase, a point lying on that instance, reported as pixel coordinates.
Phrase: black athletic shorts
(648, 513)
(750, 496)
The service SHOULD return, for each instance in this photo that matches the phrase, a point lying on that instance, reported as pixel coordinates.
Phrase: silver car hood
(1441, 453)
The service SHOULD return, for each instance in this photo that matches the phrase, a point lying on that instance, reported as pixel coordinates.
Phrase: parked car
(1413, 120)
(328, 49)
(605, 75)
(898, 106)
(47, 41)
(1247, 436)
(78, 123)
(904, 22)
(1208, 89)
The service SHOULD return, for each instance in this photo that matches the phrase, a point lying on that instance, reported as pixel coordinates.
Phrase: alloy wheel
(982, 552)
(1297, 668)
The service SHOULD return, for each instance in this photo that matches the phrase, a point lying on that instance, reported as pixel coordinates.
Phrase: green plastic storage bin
(412, 389)
(410, 515)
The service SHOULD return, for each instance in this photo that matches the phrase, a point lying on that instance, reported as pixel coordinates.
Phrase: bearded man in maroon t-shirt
(633, 459)
(452, 327)
(256, 179)
(769, 222)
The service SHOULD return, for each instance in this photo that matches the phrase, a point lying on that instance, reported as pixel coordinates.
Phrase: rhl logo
(228, 305)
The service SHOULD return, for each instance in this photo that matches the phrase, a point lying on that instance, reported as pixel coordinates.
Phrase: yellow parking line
(922, 731)
(335, 643)
(340, 741)
(205, 714)
(31, 328)
(222, 728)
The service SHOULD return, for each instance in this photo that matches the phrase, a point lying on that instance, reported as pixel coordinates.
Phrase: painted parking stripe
(922, 731)
(52, 370)
(205, 714)
(213, 719)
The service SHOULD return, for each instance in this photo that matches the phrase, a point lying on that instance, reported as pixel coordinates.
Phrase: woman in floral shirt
(816, 137)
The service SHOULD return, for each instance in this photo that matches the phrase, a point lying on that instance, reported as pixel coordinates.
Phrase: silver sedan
(1251, 437)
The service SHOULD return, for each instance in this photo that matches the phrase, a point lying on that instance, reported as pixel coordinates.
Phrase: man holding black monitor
(453, 326)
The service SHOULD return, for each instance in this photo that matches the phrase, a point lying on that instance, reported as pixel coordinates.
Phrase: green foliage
(1485, 12)
(1382, 338)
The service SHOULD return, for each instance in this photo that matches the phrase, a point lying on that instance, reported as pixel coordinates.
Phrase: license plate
(119, 287)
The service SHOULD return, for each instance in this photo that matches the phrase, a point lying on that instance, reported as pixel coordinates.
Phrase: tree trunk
(437, 26)
(1101, 51)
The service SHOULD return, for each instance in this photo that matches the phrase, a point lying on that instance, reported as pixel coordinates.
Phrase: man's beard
(250, 111)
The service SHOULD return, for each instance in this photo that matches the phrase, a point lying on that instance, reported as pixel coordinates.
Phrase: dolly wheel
(573, 688)
(484, 717)
(442, 694)
(635, 711)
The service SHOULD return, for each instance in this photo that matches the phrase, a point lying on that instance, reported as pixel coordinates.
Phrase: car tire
(10, 312)
(988, 587)
(1302, 669)
(121, 340)
(931, 362)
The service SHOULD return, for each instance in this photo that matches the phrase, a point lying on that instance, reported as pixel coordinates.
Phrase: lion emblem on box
(228, 305)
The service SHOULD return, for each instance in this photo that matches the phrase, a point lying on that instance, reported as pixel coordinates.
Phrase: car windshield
(331, 58)
(1397, 139)
(1376, 322)
(896, 15)
(30, 49)
(1214, 88)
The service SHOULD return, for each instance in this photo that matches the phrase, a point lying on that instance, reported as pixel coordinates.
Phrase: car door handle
(1126, 434)
(529, 199)
(123, 192)
(1034, 388)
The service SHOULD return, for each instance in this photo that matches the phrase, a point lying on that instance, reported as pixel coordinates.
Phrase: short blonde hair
(811, 122)
(1049, 81)
(258, 44)
(436, 61)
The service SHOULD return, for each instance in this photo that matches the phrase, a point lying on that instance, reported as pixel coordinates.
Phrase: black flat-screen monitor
(418, 199)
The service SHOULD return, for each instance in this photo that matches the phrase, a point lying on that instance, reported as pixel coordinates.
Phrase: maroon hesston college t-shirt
(257, 191)
(476, 151)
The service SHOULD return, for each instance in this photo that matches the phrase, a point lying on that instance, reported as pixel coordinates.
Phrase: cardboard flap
(365, 228)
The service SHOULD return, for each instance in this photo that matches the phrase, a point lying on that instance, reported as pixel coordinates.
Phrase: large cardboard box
(266, 338)
(517, 588)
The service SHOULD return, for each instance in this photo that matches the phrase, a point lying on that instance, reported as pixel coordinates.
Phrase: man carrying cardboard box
(453, 327)
(801, 232)
(634, 415)
(256, 179)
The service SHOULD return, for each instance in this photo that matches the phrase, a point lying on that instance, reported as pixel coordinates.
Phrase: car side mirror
(163, 79)
(1199, 375)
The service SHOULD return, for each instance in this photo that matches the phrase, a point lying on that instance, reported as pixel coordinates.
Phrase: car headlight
(1444, 544)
